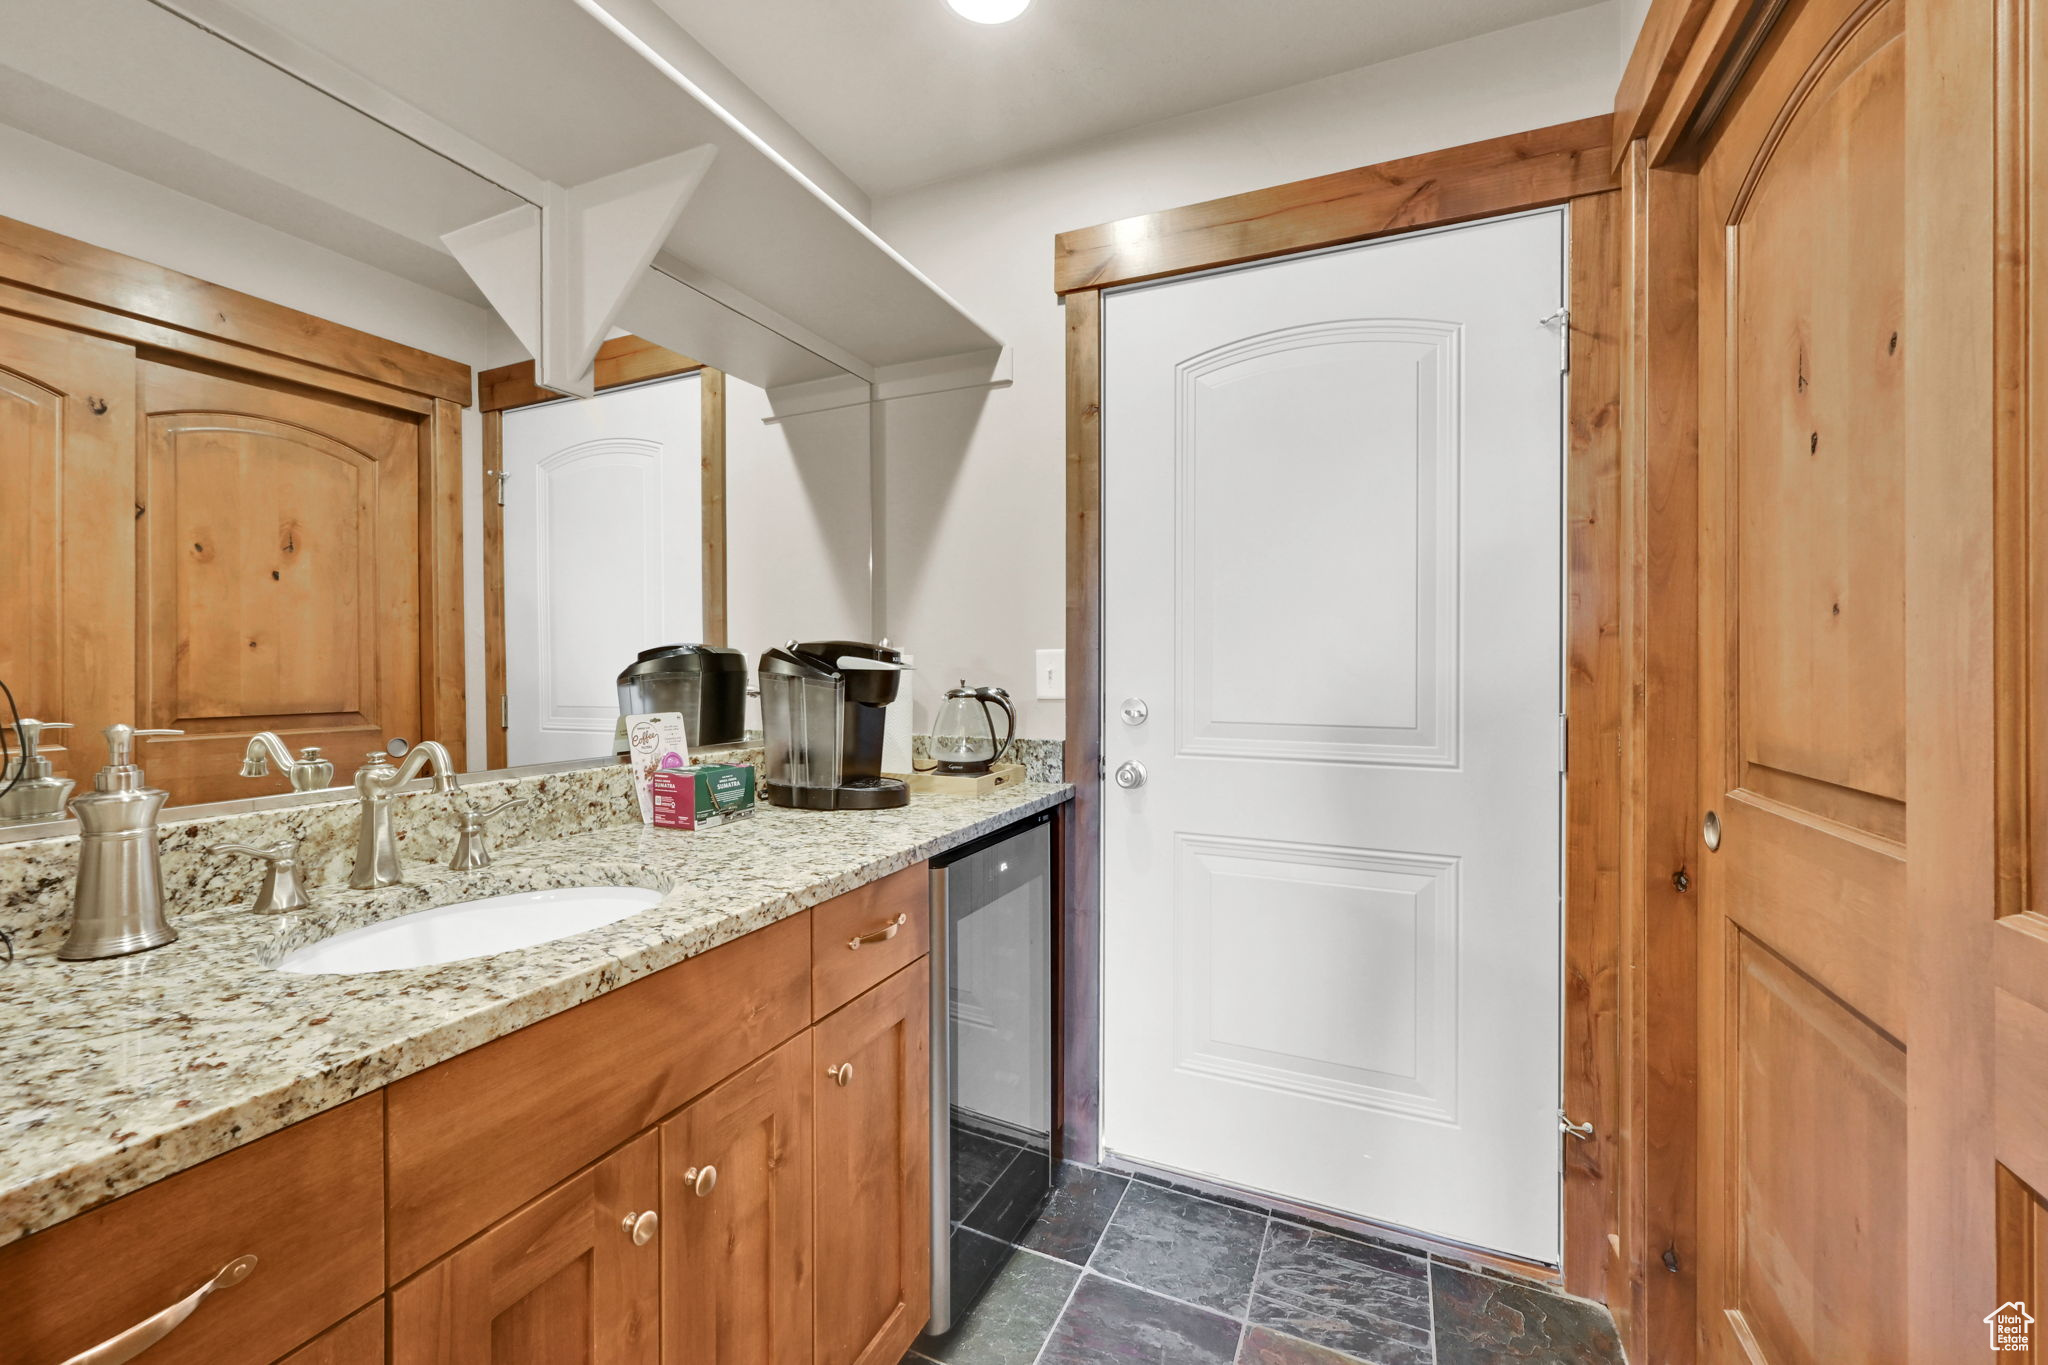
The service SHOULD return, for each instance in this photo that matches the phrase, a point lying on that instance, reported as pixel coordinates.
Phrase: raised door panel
(1802, 617)
(873, 1140)
(736, 1204)
(280, 567)
(564, 1281)
(67, 534)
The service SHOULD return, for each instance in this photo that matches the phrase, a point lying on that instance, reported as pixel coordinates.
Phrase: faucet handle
(281, 890)
(471, 852)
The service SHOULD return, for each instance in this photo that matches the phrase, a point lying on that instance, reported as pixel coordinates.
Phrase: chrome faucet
(309, 772)
(377, 781)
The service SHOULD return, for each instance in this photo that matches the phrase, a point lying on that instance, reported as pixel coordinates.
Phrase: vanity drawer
(479, 1135)
(307, 1202)
(847, 953)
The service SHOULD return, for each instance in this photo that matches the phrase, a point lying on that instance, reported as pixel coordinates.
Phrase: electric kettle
(964, 734)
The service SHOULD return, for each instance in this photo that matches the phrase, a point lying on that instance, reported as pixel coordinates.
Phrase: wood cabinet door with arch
(67, 534)
(279, 560)
(1804, 978)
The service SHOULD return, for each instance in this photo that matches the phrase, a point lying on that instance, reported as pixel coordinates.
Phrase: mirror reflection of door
(603, 518)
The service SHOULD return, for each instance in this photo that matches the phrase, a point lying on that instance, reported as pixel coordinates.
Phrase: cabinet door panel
(561, 1282)
(67, 534)
(280, 576)
(736, 1259)
(873, 1172)
(357, 1340)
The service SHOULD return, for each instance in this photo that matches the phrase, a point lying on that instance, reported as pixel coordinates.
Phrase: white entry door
(603, 556)
(1331, 640)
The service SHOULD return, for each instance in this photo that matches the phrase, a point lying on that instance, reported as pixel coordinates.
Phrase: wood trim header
(1500, 175)
(622, 360)
(1679, 60)
(66, 268)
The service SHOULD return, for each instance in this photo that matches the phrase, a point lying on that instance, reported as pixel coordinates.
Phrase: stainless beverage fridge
(992, 1056)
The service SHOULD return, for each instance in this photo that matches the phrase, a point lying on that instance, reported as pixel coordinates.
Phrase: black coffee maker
(822, 709)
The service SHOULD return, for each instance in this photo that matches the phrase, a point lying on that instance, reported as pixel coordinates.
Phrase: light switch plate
(1052, 674)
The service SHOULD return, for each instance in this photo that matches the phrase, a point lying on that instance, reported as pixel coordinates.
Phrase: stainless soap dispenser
(120, 896)
(35, 793)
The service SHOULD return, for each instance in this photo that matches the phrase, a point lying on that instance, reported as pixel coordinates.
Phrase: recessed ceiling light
(989, 11)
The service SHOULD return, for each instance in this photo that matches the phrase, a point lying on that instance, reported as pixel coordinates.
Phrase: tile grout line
(1060, 1316)
(1252, 1295)
(1429, 1279)
(1082, 1274)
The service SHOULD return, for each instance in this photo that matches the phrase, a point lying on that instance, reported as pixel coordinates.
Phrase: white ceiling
(899, 93)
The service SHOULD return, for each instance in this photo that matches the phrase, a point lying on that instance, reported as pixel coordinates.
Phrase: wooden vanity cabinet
(574, 1278)
(356, 1340)
(874, 1172)
(736, 1198)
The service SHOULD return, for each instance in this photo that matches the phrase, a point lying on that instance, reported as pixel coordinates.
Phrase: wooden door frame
(1567, 163)
(170, 316)
(620, 361)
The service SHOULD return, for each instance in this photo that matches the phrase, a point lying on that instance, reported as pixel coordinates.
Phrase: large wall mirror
(229, 520)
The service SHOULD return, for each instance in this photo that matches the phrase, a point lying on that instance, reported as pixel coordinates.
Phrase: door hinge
(1564, 744)
(1562, 320)
(500, 475)
(1581, 1131)
(504, 710)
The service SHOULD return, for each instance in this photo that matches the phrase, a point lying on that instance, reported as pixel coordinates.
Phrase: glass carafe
(964, 739)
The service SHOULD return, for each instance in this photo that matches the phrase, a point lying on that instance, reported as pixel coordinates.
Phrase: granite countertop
(119, 1073)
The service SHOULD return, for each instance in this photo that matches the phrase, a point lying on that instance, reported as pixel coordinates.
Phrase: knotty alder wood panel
(1594, 702)
(874, 1172)
(546, 1100)
(562, 1281)
(1803, 719)
(307, 1202)
(72, 269)
(1499, 175)
(67, 534)
(1654, 1303)
(737, 1269)
(280, 562)
(1081, 824)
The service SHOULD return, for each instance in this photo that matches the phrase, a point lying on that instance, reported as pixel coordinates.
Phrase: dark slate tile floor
(1122, 1271)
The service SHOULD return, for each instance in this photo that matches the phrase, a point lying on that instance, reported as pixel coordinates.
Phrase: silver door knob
(1710, 831)
(1134, 711)
(1130, 773)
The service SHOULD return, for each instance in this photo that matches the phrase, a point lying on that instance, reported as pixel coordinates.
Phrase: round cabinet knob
(701, 1179)
(1130, 773)
(842, 1074)
(640, 1227)
(1134, 711)
(1710, 832)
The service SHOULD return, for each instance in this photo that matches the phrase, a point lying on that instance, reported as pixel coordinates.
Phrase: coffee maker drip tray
(860, 793)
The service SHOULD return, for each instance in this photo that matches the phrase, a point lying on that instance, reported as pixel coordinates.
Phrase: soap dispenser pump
(32, 789)
(120, 900)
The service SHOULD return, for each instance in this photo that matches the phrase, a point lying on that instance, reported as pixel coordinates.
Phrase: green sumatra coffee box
(703, 796)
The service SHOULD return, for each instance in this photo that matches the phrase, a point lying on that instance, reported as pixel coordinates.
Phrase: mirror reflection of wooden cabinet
(221, 516)
(278, 563)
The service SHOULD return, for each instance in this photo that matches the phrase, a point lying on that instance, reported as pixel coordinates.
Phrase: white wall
(799, 526)
(973, 517)
(63, 191)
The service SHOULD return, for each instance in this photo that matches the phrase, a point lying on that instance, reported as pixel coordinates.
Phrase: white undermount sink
(452, 933)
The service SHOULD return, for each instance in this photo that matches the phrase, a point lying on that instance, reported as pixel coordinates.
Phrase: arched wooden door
(1804, 977)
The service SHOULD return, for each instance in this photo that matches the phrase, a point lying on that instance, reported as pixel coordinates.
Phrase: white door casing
(603, 556)
(1332, 528)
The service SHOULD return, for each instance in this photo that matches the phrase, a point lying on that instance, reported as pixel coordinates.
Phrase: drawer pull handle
(887, 931)
(701, 1179)
(151, 1330)
(640, 1226)
(841, 1074)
